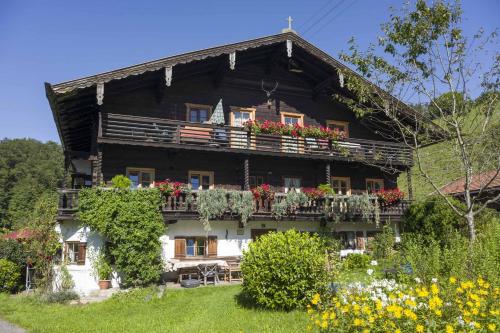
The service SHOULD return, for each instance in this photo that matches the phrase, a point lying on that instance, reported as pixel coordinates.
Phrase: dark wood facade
(139, 121)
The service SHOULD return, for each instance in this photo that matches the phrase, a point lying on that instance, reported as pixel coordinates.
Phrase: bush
(283, 270)
(356, 260)
(59, 297)
(383, 243)
(120, 181)
(9, 276)
(14, 251)
(434, 218)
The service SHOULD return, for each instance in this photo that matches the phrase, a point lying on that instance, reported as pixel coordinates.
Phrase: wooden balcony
(178, 208)
(156, 132)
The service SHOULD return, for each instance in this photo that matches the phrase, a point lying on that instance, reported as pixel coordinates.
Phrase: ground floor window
(201, 180)
(75, 252)
(195, 246)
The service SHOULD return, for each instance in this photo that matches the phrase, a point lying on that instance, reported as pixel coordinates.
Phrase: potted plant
(102, 270)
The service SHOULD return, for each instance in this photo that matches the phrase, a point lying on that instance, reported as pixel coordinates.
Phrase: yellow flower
(438, 313)
(316, 299)
(453, 280)
(410, 303)
(477, 325)
(397, 330)
(357, 322)
(419, 328)
(492, 327)
(449, 328)
(324, 324)
(434, 289)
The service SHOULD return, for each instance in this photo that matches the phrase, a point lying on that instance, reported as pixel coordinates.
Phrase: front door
(256, 233)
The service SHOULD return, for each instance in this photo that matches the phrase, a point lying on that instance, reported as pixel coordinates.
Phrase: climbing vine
(132, 223)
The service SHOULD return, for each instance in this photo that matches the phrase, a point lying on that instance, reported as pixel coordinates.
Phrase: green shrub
(383, 243)
(66, 280)
(356, 260)
(434, 218)
(60, 297)
(16, 252)
(9, 276)
(485, 254)
(102, 268)
(283, 270)
(132, 222)
(424, 256)
(121, 181)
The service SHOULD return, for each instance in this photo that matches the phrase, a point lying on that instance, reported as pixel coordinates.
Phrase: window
(291, 144)
(197, 113)
(342, 126)
(374, 185)
(239, 117)
(75, 252)
(201, 180)
(341, 185)
(256, 181)
(291, 183)
(195, 246)
(292, 118)
(141, 176)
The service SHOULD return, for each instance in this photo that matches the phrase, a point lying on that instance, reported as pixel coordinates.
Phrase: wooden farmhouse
(206, 119)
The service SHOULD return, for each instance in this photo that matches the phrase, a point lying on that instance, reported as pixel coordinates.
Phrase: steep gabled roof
(184, 58)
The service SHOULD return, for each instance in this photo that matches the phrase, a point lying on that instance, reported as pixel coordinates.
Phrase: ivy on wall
(132, 222)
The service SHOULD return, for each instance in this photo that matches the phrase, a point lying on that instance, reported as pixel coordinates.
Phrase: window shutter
(82, 249)
(212, 246)
(180, 247)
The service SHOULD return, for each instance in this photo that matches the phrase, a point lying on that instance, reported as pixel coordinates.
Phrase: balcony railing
(179, 208)
(116, 128)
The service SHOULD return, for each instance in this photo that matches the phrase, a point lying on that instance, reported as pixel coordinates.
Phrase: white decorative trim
(100, 93)
(232, 60)
(168, 75)
(341, 79)
(289, 48)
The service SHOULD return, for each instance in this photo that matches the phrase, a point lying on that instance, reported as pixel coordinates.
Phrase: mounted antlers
(269, 92)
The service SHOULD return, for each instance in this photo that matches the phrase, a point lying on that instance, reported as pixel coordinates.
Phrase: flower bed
(389, 197)
(296, 130)
(385, 306)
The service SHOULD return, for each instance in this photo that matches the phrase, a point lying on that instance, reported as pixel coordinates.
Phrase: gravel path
(6, 327)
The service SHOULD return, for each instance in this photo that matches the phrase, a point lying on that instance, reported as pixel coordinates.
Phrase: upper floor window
(292, 118)
(374, 185)
(201, 180)
(256, 181)
(239, 117)
(198, 113)
(342, 126)
(341, 185)
(141, 176)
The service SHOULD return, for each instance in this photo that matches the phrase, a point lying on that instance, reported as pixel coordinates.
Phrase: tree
(423, 52)
(28, 168)
(445, 103)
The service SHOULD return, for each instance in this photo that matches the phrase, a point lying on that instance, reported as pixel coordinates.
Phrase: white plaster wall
(82, 275)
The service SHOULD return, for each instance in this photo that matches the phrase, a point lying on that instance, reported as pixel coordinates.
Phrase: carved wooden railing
(314, 208)
(116, 128)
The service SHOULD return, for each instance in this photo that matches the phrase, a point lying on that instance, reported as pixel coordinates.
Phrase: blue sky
(56, 41)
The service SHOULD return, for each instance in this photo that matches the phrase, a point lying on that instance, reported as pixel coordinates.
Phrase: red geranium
(389, 197)
(313, 193)
(263, 191)
(168, 188)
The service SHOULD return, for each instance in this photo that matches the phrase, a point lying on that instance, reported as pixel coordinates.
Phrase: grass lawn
(207, 309)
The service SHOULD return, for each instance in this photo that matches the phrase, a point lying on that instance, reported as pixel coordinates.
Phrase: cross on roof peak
(289, 29)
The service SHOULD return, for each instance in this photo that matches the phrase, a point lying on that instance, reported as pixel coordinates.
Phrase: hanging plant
(289, 204)
(211, 204)
(241, 204)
